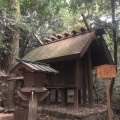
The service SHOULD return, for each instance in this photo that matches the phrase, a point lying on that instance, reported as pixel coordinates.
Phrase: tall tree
(12, 39)
(115, 42)
(35, 14)
(12, 36)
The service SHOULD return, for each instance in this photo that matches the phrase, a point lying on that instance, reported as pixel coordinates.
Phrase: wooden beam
(48, 40)
(66, 34)
(37, 37)
(53, 38)
(24, 96)
(59, 36)
(85, 21)
(61, 85)
(82, 29)
(74, 32)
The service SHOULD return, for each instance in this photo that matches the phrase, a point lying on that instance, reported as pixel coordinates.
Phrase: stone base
(2, 109)
(21, 114)
(86, 114)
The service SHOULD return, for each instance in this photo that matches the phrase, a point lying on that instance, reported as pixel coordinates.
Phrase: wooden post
(63, 97)
(33, 102)
(66, 95)
(79, 96)
(84, 97)
(76, 102)
(56, 95)
(48, 99)
(77, 75)
(90, 80)
(108, 100)
(85, 21)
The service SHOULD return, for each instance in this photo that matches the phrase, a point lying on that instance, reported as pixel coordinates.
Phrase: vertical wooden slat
(77, 74)
(84, 81)
(48, 98)
(62, 73)
(90, 80)
(84, 97)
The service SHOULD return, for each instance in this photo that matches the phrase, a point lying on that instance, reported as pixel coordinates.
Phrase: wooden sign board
(106, 71)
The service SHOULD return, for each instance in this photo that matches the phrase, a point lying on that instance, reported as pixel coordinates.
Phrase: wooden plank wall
(66, 75)
(77, 73)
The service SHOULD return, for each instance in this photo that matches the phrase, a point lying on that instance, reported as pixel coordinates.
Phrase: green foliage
(46, 17)
(3, 86)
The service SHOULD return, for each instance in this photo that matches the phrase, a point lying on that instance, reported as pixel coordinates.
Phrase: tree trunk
(115, 43)
(12, 37)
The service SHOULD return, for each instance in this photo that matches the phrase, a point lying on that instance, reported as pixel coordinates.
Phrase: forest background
(21, 20)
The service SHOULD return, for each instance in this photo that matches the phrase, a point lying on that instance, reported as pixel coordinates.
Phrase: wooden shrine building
(74, 55)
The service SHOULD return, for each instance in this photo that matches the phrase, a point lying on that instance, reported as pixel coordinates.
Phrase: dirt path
(6, 116)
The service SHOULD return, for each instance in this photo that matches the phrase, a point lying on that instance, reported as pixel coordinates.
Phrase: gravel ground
(81, 110)
(69, 109)
(85, 111)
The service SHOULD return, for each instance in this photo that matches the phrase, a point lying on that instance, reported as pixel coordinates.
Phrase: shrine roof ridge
(66, 35)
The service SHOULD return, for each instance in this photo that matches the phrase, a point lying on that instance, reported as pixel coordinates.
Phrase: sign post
(107, 71)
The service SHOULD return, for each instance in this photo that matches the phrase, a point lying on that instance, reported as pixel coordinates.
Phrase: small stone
(39, 109)
(51, 113)
(80, 117)
(60, 115)
(70, 116)
(2, 109)
(55, 113)
(64, 115)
